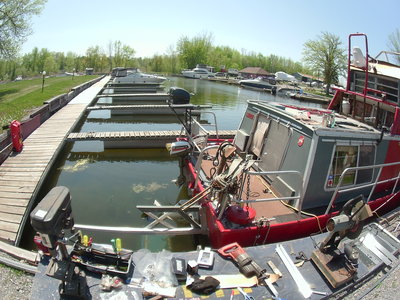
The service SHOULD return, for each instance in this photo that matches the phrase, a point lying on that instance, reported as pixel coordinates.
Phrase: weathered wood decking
(138, 96)
(138, 135)
(22, 173)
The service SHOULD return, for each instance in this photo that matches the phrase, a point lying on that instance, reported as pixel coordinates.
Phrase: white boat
(200, 72)
(259, 83)
(233, 72)
(135, 76)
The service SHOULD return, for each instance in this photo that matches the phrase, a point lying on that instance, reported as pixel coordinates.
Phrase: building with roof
(252, 72)
(308, 78)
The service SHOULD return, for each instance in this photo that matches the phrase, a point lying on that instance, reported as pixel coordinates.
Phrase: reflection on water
(106, 185)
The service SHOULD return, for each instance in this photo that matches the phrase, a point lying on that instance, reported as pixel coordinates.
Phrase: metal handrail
(207, 132)
(300, 190)
(197, 167)
(365, 185)
(215, 122)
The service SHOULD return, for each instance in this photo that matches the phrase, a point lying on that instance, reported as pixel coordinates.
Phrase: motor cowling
(179, 95)
(16, 135)
(179, 148)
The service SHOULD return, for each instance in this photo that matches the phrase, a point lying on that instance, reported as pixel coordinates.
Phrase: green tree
(194, 51)
(14, 23)
(171, 60)
(325, 56)
(94, 58)
(123, 54)
(394, 43)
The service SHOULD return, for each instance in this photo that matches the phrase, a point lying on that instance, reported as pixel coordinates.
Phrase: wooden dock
(138, 96)
(22, 173)
(138, 139)
(124, 90)
(150, 109)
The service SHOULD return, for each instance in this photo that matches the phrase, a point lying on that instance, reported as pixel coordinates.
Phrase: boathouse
(252, 72)
(308, 78)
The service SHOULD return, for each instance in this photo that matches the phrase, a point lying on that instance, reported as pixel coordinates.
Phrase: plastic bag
(155, 267)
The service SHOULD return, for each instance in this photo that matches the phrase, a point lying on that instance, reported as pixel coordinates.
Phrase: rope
(292, 207)
(390, 198)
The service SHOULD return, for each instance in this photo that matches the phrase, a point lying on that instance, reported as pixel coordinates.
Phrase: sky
(268, 27)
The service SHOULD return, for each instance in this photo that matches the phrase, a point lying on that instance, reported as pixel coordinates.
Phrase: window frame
(356, 174)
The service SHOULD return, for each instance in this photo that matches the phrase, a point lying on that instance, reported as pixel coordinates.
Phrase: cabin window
(348, 157)
(366, 158)
(386, 85)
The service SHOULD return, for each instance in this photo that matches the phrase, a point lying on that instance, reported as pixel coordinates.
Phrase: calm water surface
(106, 185)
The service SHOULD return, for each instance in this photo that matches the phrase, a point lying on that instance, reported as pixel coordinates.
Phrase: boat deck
(22, 173)
(289, 286)
(275, 211)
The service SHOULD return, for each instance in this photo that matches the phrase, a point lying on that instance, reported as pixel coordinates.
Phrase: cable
(292, 207)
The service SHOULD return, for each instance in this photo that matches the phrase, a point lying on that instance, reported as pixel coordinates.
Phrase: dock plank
(7, 226)
(31, 257)
(7, 235)
(10, 218)
(14, 195)
(12, 209)
(14, 202)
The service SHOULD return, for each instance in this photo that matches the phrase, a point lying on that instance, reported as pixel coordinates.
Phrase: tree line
(187, 53)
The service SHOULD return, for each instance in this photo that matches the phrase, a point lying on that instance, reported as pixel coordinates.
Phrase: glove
(205, 286)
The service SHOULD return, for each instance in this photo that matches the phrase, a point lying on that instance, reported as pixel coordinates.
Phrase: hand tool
(247, 265)
(245, 295)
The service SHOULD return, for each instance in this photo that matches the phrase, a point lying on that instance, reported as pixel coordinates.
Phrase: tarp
(284, 76)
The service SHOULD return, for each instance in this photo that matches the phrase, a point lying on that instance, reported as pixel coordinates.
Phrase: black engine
(179, 95)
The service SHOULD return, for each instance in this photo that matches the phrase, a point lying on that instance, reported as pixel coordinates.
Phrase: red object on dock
(16, 136)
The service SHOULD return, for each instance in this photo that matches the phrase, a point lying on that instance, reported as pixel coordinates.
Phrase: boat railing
(199, 134)
(197, 167)
(340, 189)
(366, 89)
(299, 191)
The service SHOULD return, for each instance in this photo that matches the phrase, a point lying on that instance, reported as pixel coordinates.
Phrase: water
(107, 184)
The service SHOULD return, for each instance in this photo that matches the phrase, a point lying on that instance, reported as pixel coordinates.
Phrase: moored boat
(200, 72)
(259, 83)
(135, 76)
(289, 169)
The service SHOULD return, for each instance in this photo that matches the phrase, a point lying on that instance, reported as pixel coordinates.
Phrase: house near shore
(253, 72)
(89, 71)
(309, 79)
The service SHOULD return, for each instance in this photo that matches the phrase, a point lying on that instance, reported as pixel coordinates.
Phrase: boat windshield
(392, 58)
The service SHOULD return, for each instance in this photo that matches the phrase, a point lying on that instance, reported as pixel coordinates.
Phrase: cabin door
(275, 146)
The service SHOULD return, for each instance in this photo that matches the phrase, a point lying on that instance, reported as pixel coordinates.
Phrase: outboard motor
(179, 95)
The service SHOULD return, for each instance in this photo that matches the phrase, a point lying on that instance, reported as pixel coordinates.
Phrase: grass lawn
(17, 98)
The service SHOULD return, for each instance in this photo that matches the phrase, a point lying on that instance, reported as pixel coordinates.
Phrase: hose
(292, 207)
(19, 265)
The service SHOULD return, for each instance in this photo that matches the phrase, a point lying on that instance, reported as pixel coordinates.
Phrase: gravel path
(14, 284)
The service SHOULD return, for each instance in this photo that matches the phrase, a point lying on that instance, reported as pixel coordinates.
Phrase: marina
(199, 192)
(112, 140)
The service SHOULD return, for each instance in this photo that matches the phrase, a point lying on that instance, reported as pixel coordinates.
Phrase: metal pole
(42, 82)
(43, 75)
